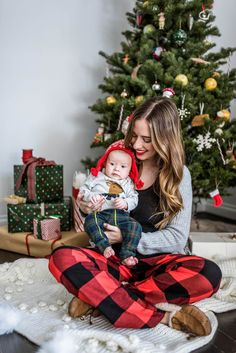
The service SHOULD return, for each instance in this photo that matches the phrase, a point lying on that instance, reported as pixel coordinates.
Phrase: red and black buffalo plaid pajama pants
(127, 296)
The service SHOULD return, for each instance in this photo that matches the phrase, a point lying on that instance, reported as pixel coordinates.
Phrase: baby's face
(118, 165)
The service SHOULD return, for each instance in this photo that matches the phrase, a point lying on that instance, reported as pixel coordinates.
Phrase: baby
(117, 187)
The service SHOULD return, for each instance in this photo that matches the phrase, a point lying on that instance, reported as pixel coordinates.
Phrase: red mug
(26, 155)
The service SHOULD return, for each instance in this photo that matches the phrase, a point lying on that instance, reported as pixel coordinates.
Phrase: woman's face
(141, 141)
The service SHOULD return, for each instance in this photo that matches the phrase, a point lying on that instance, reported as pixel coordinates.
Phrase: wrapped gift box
(46, 228)
(209, 245)
(48, 183)
(78, 218)
(20, 217)
(24, 243)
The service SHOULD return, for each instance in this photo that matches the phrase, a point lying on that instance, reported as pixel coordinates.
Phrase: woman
(127, 297)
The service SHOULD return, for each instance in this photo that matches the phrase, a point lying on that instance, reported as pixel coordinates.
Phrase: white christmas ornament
(204, 141)
(204, 15)
(156, 86)
(190, 21)
(218, 132)
(183, 112)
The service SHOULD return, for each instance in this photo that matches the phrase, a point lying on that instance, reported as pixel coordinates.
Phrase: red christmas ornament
(168, 92)
(157, 53)
(216, 197)
(139, 18)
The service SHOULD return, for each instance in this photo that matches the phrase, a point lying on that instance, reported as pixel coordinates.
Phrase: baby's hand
(96, 199)
(121, 204)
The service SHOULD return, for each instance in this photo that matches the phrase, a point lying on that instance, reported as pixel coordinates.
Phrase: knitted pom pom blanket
(36, 306)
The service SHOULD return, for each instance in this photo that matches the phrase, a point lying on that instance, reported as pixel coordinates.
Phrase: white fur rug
(28, 288)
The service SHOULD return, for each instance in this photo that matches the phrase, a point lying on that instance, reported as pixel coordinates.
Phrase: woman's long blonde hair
(164, 122)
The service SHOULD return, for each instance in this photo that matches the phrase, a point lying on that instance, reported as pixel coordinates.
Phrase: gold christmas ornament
(182, 79)
(216, 74)
(199, 120)
(210, 84)
(126, 59)
(139, 100)
(111, 100)
(146, 4)
(149, 29)
(223, 114)
(231, 160)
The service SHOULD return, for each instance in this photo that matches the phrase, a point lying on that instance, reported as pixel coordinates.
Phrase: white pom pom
(134, 340)
(61, 342)
(112, 346)
(9, 319)
(78, 179)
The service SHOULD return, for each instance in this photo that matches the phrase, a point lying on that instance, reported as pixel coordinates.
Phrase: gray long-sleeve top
(173, 238)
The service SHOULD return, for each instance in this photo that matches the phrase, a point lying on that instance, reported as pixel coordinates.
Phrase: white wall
(49, 73)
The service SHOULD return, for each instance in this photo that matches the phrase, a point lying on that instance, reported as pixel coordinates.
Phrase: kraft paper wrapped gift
(45, 186)
(20, 217)
(25, 243)
(209, 245)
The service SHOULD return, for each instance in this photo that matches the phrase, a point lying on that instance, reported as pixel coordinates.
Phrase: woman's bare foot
(108, 252)
(130, 261)
(189, 319)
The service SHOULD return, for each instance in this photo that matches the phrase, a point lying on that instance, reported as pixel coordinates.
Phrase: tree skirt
(27, 288)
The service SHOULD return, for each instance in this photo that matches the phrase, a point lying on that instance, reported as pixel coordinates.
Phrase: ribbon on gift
(52, 242)
(28, 170)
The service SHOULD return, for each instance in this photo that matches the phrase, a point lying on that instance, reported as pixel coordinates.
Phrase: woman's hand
(113, 233)
(87, 206)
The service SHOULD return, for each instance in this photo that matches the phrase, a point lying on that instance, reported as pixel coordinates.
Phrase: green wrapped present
(42, 183)
(20, 217)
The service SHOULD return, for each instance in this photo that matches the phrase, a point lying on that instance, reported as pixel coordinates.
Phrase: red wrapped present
(47, 228)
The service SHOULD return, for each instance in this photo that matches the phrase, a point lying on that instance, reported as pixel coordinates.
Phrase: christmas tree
(167, 51)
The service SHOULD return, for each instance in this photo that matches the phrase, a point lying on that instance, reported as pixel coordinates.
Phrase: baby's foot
(130, 261)
(109, 252)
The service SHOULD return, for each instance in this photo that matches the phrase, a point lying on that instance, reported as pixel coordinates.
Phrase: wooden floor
(224, 340)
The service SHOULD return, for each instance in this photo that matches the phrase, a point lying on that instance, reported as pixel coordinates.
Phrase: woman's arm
(173, 238)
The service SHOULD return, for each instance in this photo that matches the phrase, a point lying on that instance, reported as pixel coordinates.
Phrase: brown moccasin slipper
(190, 319)
(78, 308)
